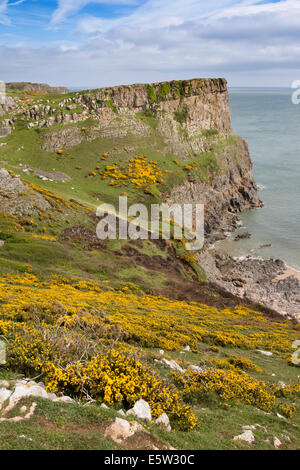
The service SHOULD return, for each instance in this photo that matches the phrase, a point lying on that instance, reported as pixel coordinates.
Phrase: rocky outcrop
(6, 124)
(189, 117)
(231, 191)
(200, 103)
(261, 281)
(8, 105)
(182, 109)
(36, 88)
(109, 127)
(16, 198)
(11, 393)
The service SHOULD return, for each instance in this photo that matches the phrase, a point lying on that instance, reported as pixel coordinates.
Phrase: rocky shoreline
(269, 282)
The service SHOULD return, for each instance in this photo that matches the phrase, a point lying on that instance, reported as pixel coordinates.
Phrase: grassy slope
(60, 426)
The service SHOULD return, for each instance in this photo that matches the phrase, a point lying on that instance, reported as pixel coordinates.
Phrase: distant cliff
(36, 88)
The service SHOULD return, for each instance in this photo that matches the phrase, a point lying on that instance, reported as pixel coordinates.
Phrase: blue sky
(106, 42)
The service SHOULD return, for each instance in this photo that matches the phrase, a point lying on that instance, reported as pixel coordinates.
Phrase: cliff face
(185, 110)
(229, 192)
(188, 121)
(204, 102)
(182, 110)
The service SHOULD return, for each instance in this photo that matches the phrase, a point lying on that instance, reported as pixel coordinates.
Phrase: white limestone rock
(277, 443)
(25, 389)
(66, 399)
(172, 364)
(4, 395)
(264, 353)
(142, 410)
(4, 384)
(164, 419)
(121, 429)
(198, 369)
(246, 436)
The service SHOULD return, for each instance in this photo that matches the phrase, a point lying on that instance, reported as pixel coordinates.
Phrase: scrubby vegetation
(89, 340)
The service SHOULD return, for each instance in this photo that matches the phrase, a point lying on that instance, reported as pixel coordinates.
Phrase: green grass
(58, 426)
(151, 94)
(181, 115)
(148, 118)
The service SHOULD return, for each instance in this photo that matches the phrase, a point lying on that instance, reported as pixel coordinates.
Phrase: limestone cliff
(182, 109)
(179, 120)
(230, 191)
(201, 103)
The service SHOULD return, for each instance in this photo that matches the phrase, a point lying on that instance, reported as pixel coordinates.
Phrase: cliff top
(167, 90)
(36, 87)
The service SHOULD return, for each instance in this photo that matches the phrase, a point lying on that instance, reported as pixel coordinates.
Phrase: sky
(90, 44)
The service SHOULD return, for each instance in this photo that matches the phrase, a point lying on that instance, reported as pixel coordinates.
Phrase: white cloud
(4, 4)
(65, 48)
(70, 7)
(248, 42)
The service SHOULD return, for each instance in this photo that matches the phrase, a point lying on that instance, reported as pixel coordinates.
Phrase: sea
(270, 122)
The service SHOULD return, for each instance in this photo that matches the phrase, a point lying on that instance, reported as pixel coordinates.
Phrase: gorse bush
(228, 385)
(82, 337)
(140, 172)
(122, 379)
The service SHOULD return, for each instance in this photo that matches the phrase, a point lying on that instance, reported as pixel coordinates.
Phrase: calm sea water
(270, 123)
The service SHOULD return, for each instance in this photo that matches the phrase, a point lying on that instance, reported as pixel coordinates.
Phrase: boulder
(277, 443)
(264, 353)
(246, 436)
(172, 364)
(26, 390)
(164, 420)
(4, 395)
(142, 410)
(121, 429)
